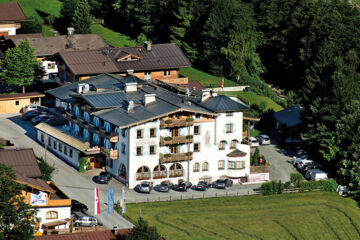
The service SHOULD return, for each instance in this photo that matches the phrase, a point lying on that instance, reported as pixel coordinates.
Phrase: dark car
(104, 177)
(78, 206)
(223, 183)
(202, 186)
(31, 114)
(165, 186)
(43, 118)
(183, 186)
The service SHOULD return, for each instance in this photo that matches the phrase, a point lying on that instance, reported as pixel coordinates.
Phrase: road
(76, 186)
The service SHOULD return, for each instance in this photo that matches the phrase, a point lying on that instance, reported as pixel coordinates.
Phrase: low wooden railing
(259, 169)
(176, 140)
(174, 122)
(175, 157)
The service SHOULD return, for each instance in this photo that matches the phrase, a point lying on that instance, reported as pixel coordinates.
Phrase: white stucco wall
(10, 30)
(63, 213)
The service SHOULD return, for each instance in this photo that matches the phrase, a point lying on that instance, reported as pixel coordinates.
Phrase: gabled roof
(46, 46)
(289, 117)
(93, 235)
(161, 56)
(20, 95)
(23, 36)
(236, 153)
(11, 12)
(22, 161)
(222, 103)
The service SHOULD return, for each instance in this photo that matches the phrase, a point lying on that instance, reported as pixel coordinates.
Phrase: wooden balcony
(110, 153)
(176, 140)
(174, 122)
(175, 157)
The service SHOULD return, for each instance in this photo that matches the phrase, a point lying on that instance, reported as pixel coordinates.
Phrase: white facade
(211, 159)
(9, 28)
(50, 68)
(51, 214)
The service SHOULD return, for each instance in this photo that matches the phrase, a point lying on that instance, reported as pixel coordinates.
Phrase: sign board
(142, 142)
(38, 199)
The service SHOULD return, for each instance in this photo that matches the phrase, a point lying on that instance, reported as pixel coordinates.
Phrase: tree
(142, 231)
(20, 64)
(46, 169)
(82, 18)
(33, 25)
(16, 216)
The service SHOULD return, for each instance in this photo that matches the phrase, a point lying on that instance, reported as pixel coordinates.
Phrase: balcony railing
(176, 173)
(157, 174)
(110, 153)
(143, 176)
(176, 140)
(174, 122)
(175, 157)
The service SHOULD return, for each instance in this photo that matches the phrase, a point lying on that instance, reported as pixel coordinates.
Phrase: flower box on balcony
(167, 155)
(189, 137)
(188, 153)
(169, 121)
(189, 119)
(167, 138)
(158, 177)
(142, 178)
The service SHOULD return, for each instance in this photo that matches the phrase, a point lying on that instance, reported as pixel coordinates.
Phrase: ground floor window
(51, 215)
(236, 164)
(176, 170)
(221, 164)
(70, 153)
(42, 137)
(205, 166)
(196, 167)
(143, 173)
(159, 172)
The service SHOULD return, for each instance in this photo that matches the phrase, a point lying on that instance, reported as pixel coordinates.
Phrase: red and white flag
(96, 202)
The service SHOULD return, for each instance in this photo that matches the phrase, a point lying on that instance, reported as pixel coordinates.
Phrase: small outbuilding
(13, 103)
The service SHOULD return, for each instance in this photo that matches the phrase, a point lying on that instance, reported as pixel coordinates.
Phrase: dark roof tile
(95, 235)
(222, 103)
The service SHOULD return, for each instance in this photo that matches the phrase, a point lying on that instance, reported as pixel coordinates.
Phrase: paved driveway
(76, 186)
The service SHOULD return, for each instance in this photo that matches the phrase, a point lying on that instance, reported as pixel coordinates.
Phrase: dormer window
(126, 57)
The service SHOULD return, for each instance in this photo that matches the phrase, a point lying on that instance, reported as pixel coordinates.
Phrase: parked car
(43, 118)
(251, 141)
(31, 107)
(298, 159)
(316, 175)
(183, 186)
(145, 187)
(223, 183)
(86, 221)
(263, 139)
(78, 206)
(31, 114)
(303, 163)
(313, 165)
(165, 186)
(202, 186)
(104, 177)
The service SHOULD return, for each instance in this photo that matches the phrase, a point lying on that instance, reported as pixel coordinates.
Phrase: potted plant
(189, 137)
(189, 119)
(168, 121)
(168, 138)
(167, 155)
(188, 153)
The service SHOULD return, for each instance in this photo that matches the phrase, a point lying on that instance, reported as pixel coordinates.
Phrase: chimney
(194, 88)
(55, 33)
(130, 106)
(70, 30)
(131, 87)
(149, 98)
(130, 72)
(205, 94)
(147, 45)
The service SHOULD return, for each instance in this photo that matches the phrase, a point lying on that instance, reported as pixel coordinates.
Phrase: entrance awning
(55, 223)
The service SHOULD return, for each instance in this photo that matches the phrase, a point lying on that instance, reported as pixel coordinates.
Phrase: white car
(298, 159)
(263, 139)
(251, 141)
(316, 175)
(302, 163)
(31, 107)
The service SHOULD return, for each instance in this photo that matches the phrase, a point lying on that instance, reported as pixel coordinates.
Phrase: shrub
(266, 188)
(280, 188)
(296, 178)
(83, 164)
(287, 185)
(274, 187)
(303, 185)
(328, 185)
(256, 157)
(46, 169)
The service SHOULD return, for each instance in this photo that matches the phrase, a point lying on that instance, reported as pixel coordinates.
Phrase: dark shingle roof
(11, 12)
(22, 161)
(222, 103)
(94, 235)
(290, 117)
(236, 153)
(110, 99)
(23, 36)
(161, 56)
(21, 95)
(46, 46)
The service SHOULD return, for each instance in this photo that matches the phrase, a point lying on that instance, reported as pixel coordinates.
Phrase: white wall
(10, 30)
(63, 213)
(48, 71)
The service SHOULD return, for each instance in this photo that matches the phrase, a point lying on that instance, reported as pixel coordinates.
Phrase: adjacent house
(148, 62)
(48, 46)
(54, 207)
(287, 123)
(14, 103)
(11, 16)
(140, 130)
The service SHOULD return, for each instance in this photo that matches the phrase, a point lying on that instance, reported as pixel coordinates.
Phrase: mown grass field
(254, 99)
(315, 215)
(207, 80)
(111, 37)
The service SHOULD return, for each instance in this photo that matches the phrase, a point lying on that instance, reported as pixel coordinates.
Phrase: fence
(230, 89)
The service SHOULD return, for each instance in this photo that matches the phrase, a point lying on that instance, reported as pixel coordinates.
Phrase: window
(51, 66)
(196, 167)
(205, 167)
(222, 145)
(65, 150)
(233, 144)
(123, 148)
(152, 132)
(17, 103)
(139, 133)
(55, 145)
(196, 130)
(60, 147)
(51, 215)
(123, 132)
(229, 128)
(229, 114)
(236, 164)
(152, 149)
(139, 151)
(221, 164)
(110, 163)
(49, 141)
(196, 147)
(167, 73)
(42, 137)
(70, 153)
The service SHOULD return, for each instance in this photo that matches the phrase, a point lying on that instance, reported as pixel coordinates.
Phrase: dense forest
(308, 48)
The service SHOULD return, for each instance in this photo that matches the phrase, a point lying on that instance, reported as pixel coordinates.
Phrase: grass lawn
(207, 80)
(254, 99)
(315, 215)
(51, 7)
(111, 37)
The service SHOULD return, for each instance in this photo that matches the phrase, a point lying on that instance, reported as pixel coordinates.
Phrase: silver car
(86, 221)
(145, 187)
(263, 139)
